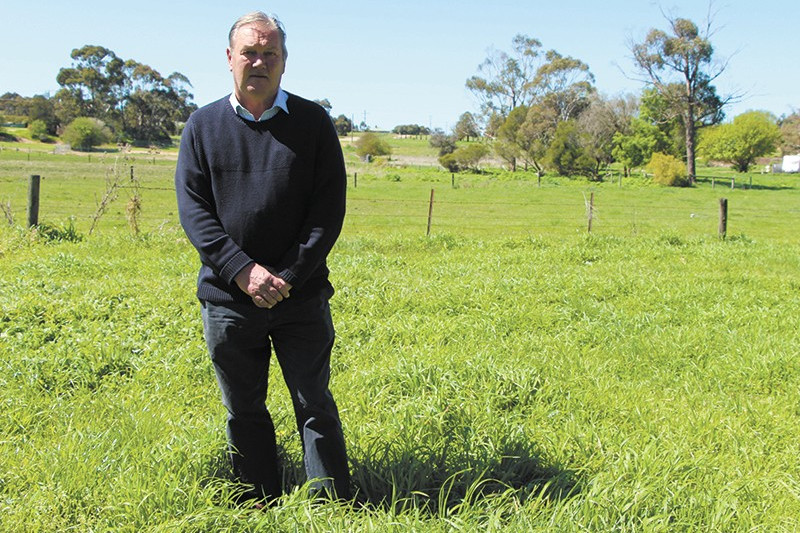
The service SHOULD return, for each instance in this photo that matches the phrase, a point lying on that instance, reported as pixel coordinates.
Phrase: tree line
(106, 98)
(542, 110)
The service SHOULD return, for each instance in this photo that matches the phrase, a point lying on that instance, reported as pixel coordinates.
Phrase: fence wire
(465, 216)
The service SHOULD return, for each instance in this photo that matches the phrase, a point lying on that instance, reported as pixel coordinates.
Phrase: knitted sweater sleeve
(325, 210)
(198, 214)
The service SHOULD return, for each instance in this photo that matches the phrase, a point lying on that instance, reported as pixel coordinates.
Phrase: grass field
(510, 372)
(392, 197)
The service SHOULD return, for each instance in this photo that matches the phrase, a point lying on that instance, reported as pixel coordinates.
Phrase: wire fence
(413, 209)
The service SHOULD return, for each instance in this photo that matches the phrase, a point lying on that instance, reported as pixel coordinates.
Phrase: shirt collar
(280, 103)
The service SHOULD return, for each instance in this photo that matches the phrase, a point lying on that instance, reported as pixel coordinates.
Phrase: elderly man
(261, 187)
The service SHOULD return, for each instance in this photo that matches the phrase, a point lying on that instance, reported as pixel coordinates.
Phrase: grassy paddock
(392, 198)
(576, 383)
(509, 372)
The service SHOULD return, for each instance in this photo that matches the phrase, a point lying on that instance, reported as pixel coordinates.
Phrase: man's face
(256, 59)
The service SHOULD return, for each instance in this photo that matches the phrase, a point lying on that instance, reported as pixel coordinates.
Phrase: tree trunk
(690, 140)
(690, 167)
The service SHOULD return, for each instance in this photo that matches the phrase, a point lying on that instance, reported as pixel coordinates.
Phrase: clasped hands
(265, 288)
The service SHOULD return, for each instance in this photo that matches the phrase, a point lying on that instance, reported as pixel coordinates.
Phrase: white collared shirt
(280, 103)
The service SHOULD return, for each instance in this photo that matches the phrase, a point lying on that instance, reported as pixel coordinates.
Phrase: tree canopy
(526, 94)
(467, 127)
(133, 99)
(411, 129)
(343, 125)
(751, 135)
(505, 80)
(790, 134)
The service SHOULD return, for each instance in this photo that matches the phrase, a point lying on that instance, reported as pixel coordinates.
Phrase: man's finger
(261, 302)
(271, 294)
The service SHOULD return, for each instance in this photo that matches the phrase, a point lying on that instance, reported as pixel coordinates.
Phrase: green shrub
(38, 130)
(464, 157)
(83, 133)
(450, 162)
(567, 155)
(667, 170)
(370, 144)
(56, 233)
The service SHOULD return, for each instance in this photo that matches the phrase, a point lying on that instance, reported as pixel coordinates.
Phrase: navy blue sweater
(272, 192)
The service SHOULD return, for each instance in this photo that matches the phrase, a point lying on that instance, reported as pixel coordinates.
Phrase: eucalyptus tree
(602, 120)
(467, 126)
(564, 84)
(548, 86)
(132, 98)
(154, 105)
(94, 83)
(680, 66)
(505, 78)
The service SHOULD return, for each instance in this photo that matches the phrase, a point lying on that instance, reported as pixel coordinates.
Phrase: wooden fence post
(591, 211)
(355, 180)
(430, 214)
(33, 201)
(723, 218)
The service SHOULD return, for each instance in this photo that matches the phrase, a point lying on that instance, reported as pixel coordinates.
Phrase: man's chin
(259, 85)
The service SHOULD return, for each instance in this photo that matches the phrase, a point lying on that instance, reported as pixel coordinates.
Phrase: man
(261, 187)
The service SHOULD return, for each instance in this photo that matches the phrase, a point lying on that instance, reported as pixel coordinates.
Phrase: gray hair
(260, 17)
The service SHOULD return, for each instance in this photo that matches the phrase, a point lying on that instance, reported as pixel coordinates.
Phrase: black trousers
(240, 338)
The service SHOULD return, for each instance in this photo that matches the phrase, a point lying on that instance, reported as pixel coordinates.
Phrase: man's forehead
(257, 31)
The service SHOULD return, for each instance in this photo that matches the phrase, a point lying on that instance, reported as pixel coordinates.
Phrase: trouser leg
(303, 340)
(238, 342)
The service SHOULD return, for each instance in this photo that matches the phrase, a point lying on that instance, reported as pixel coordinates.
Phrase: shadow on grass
(740, 183)
(770, 187)
(398, 476)
(436, 481)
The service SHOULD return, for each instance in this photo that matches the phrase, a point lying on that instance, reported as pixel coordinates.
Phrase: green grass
(508, 373)
(391, 199)
(528, 384)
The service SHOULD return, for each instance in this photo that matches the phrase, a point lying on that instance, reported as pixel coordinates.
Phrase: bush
(464, 157)
(55, 233)
(450, 162)
(83, 133)
(370, 145)
(751, 135)
(446, 144)
(567, 155)
(38, 130)
(668, 170)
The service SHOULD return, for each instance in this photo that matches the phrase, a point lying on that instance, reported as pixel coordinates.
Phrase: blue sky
(399, 62)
